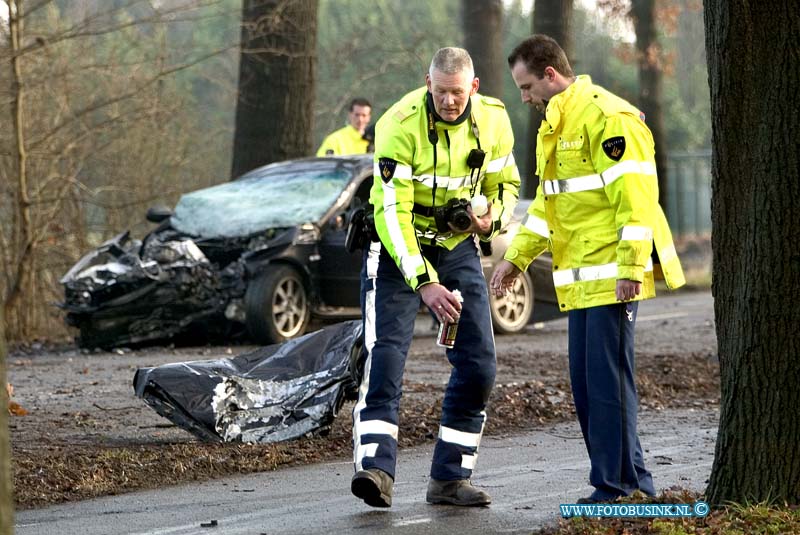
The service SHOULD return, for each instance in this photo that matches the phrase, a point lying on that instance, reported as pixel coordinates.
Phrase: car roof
(360, 161)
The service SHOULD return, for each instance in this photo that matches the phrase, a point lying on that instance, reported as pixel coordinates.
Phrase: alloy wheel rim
(289, 307)
(510, 309)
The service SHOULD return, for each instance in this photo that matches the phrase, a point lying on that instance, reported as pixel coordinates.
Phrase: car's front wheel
(277, 306)
(511, 313)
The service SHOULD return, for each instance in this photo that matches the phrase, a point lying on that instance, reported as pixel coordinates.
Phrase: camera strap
(475, 130)
(433, 137)
(476, 133)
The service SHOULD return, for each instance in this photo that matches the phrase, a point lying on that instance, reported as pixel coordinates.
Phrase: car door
(339, 270)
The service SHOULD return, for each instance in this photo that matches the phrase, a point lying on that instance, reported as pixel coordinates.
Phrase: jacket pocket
(597, 249)
(572, 154)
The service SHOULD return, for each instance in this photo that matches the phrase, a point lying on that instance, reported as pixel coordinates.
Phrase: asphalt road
(528, 475)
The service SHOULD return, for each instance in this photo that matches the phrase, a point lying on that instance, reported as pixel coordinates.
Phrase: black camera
(455, 212)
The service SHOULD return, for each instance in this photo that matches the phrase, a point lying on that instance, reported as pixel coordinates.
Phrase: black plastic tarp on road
(274, 393)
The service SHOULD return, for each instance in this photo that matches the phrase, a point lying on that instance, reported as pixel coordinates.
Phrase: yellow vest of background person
(346, 140)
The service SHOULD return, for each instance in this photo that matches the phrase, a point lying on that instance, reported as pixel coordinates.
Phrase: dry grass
(68, 472)
(58, 470)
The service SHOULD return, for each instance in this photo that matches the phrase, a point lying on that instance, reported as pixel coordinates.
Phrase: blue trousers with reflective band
(389, 309)
(601, 366)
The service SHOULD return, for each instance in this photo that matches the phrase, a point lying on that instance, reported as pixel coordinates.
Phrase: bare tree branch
(119, 98)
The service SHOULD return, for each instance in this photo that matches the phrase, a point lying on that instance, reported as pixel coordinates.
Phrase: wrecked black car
(256, 257)
(260, 253)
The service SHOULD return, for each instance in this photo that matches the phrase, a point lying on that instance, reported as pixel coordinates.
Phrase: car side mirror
(158, 213)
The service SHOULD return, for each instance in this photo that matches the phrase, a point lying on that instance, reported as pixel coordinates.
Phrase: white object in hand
(479, 205)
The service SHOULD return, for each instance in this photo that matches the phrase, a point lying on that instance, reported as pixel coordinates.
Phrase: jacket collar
(561, 103)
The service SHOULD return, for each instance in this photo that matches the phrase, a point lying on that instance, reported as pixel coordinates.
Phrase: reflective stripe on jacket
(596, 208)
(402, 194)
(346, 140)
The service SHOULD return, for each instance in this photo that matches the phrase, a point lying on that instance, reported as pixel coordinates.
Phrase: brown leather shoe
(374, 486)
(458, 492)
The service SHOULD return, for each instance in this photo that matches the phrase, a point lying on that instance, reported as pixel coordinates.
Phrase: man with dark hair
(596, 209)
(351, 138)
(444, 175)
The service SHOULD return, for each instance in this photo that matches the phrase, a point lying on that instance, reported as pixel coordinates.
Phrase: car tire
(511, 313)
(91, 337)
(277, 306)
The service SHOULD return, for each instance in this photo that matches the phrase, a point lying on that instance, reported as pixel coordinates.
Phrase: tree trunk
(482, 21)
(651, 58)
(6, 485)
(22, 252)
(754, 73)
(274, 110)
(553, 18)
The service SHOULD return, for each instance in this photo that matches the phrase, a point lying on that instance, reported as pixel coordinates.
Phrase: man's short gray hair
(452, 60)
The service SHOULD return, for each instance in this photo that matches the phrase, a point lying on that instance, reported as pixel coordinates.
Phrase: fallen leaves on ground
(14, 408)
(55, 470)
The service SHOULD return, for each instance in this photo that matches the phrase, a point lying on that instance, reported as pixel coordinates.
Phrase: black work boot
(458, 492)
(374, 486)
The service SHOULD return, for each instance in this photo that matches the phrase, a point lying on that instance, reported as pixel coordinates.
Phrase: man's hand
(441, 301)
(480, 225)
(503, 279)
(628, 289)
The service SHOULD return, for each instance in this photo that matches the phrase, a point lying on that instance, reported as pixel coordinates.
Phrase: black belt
(425, 211)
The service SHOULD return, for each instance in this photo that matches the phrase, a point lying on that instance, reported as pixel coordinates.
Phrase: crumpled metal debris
(126, 291)
(274, 393)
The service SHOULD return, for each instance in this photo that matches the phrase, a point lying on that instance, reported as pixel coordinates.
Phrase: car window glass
(269, 197)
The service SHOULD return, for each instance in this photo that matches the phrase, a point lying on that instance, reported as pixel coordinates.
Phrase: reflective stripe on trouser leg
(604, 390)
(474, 366)
(389, 308)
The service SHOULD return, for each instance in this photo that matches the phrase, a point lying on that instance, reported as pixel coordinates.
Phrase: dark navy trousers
(601, 366)
(389, 309)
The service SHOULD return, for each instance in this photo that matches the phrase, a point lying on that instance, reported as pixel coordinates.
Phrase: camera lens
(460, 219)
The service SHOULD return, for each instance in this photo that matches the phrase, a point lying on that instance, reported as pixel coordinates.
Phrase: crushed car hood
(274, 393)
(138, 291)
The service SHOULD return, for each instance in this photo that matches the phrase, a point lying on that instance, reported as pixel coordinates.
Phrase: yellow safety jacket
(346, 140)
(596, 207)
(405, 184)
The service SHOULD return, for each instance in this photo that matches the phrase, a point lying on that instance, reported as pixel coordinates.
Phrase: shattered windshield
(280, 195)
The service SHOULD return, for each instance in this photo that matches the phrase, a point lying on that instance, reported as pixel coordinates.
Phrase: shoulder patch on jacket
(491, 101)
(614, 147)
(404, 112)
(387, 167)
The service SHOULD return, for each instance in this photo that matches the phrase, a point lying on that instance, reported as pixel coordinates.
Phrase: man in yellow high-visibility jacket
(444, 174)
(596, 210)
(350, 139)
